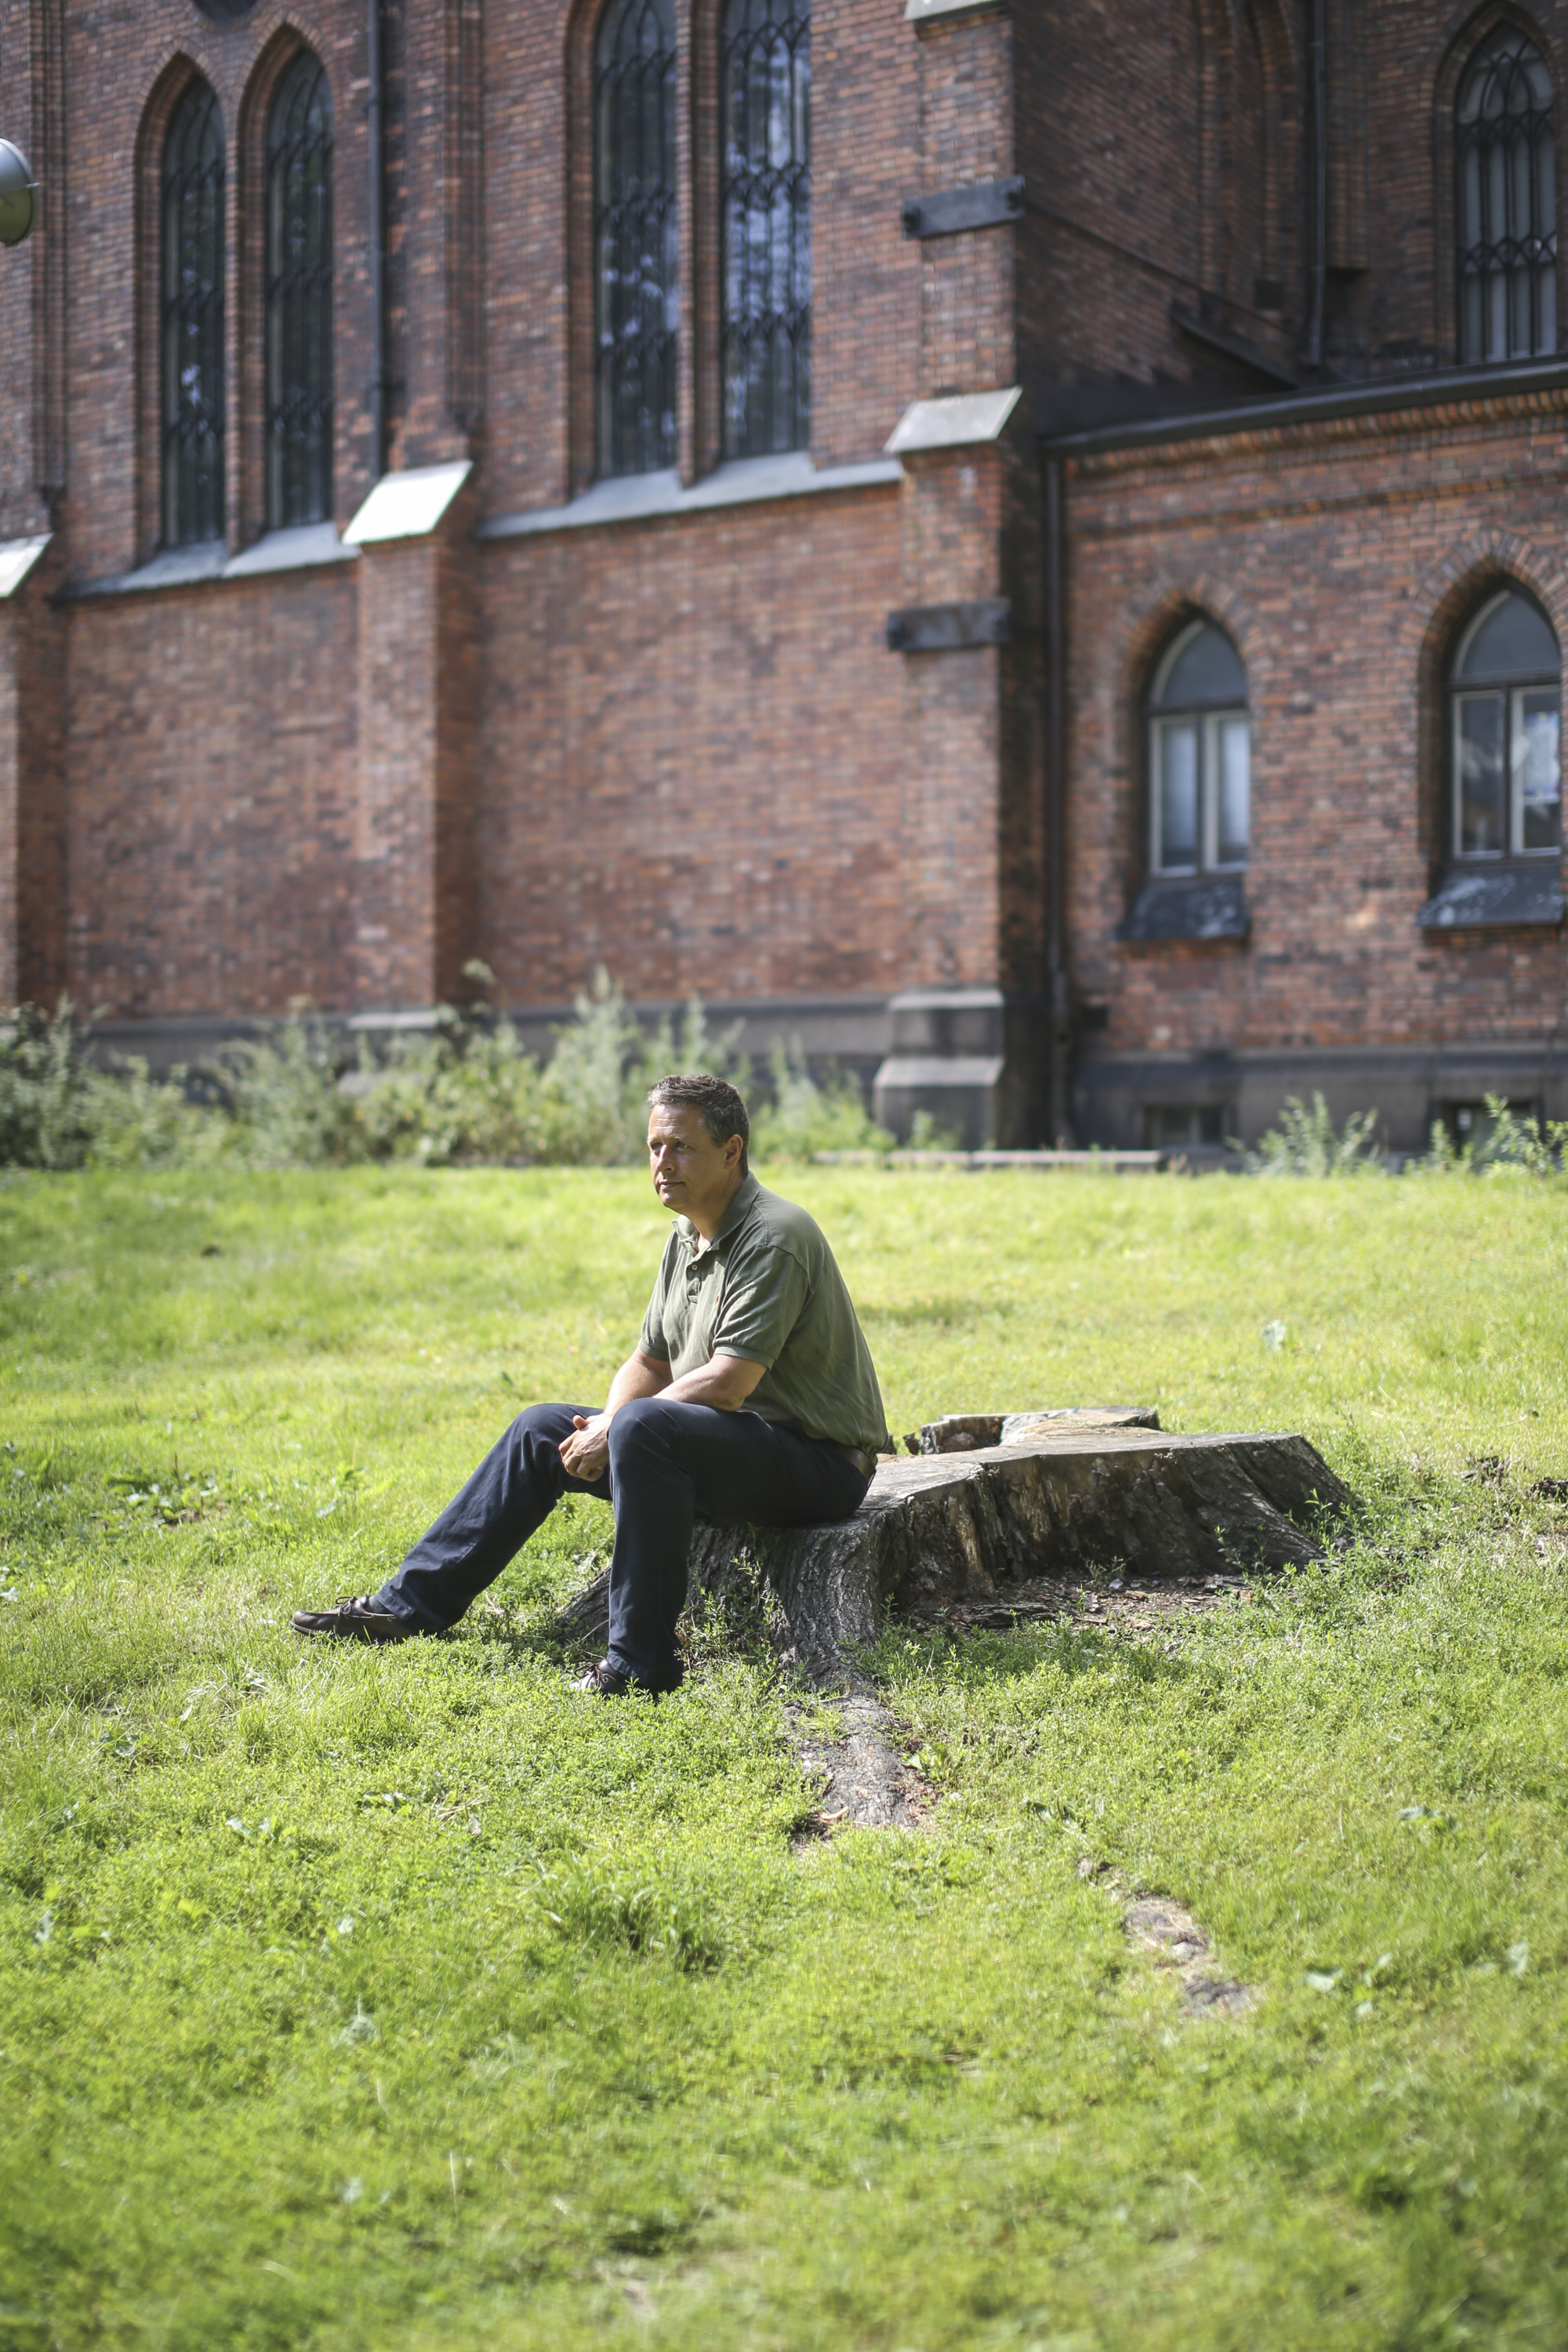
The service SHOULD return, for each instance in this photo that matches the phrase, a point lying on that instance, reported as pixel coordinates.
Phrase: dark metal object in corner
(1205, 907)
(18, 195)
(375, 107)
(946, 628)
(984, 203)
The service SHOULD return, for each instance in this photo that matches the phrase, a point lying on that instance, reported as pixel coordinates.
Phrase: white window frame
(1209, 724)
(1511, 692)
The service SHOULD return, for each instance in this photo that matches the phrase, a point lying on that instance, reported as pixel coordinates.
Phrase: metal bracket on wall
(943, 628)
(988, 204)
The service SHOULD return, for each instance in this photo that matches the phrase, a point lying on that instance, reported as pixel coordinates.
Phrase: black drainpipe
(1320, 184)
(1058, 1109)
(377, 266)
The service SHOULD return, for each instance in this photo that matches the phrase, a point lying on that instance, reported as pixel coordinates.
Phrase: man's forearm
(723, 1381)
(639, 1376)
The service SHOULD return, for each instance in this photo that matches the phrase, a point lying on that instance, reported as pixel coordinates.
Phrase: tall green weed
(58, 1110)
(464, 1093)
(1305, 1144)
(802, 1117)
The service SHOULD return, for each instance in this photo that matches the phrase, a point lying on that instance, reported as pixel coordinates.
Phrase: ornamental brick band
(949, 1527)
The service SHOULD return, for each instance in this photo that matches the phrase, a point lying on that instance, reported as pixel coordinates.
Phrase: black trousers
(669, 1464)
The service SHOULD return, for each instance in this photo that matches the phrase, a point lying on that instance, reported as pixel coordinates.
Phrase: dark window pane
(1511, 639)
(635, 249)
(1202, 667)
(299, 297)
(1537, 766)
(1505, 202)
(766, 207)
(1175, 1127)
(1477, 761)
(1176, 793)
(192, 356)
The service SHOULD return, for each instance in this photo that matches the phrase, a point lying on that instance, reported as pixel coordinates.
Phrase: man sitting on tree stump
(750, 1399)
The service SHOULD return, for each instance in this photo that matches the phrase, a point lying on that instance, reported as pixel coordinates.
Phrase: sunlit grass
(411, 1999)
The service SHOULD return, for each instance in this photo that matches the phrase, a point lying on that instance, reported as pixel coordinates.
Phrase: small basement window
(1184, 1126)
(1472, 1123)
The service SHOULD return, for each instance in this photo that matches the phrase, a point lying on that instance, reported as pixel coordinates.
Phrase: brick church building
(1023, 545)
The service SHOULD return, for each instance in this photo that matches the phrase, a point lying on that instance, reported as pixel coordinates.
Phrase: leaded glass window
(1505, 696)
(635, 257)
(299, 297)
(193, 320)
(1506, 202)
(766, 201)
(1200, 755)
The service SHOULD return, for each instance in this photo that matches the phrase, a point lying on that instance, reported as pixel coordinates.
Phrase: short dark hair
(723, 1112)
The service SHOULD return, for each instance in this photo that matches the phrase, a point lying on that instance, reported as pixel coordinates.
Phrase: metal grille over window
(1200, 756)
(766, 78)
(299, 297)
(635, 257)
(1506, 695)
(193, 320)
(1506, 202)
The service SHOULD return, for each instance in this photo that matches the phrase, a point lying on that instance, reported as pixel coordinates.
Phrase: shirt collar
(735, 1216)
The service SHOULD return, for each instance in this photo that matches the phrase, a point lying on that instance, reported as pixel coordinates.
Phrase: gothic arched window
(766, 72)
(192, 358)
(1200, 755)
(1506, 202)
(636, 296)
(1504, 694)
(299, 297)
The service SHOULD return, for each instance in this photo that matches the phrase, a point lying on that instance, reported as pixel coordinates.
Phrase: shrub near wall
(467, 1094)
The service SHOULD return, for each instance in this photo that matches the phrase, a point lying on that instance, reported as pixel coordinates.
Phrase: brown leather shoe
(354, 1621)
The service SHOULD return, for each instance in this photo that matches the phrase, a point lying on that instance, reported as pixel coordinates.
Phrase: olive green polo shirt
(767, 1289)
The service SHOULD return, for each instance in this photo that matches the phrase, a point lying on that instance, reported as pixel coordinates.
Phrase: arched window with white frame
(1200, 755)
(1505, 691)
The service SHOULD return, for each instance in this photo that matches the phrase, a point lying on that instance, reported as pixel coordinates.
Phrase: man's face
(691, 1173)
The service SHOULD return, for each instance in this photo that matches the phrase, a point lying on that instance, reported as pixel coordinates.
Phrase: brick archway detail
(1459, 576)
(1189, 593)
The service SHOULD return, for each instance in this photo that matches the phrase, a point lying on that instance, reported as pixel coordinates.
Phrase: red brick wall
(21, 285)
(866, 159)
(692, 755)
(1340, 558)
(967, 303)
(1167, 149)
(212, 762)
(10, 804)
(679, 747)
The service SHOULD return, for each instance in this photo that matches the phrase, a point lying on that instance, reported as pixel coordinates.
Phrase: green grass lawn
(409, 1998)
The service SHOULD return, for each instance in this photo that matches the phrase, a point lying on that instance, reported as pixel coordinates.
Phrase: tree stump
(1101, 1490)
